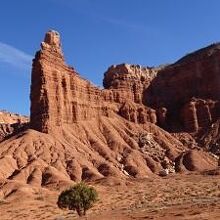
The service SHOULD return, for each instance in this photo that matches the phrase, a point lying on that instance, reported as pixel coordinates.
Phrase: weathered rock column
(189, 116)
(45, 106)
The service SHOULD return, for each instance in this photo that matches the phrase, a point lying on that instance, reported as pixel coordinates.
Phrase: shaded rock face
(199, 113)
(128, 83)
(210, 138)
(193, 160)
(7, 130)
(185, 95)
(189, 89)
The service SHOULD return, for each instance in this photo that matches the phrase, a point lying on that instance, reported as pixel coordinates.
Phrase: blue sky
(98, 33)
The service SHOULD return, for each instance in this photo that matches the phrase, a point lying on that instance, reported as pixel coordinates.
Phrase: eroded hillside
(80, 132)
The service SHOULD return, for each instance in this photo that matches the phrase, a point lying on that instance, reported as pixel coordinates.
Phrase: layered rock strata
(189, 89)
(93, 134)
(11, 123)
(11, 118)
(184, 95)
(129, 80)
(60, 96)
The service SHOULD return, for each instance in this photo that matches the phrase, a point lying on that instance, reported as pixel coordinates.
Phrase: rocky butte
(143, 119)
(183, 96)
(189, 90)
(60, 96)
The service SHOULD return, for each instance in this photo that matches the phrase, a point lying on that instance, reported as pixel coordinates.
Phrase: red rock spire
(52, 42)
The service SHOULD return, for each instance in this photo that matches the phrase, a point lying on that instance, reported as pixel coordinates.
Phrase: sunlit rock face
(183, 96)
(88, 133)
(58, 94)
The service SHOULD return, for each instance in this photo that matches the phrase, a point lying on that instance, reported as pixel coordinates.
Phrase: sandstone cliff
(183, 96)
(80, 132)
(189, 90)
(60, 96)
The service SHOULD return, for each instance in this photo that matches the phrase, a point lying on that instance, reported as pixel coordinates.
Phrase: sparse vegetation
(80, 197)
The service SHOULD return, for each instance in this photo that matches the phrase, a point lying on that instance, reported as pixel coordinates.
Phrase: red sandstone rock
(194, 160)
(10, 123)
(209, 138)
(89, 133)
(60, 96)
(11, 118)
(199, 113)
(194, 76)
(189, 116)
(130, 80)
(162, 117)
(5, 130)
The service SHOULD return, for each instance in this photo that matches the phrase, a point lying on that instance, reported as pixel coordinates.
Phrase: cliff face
(60, 96)
(129, 80)
(189, 89)
(183, 96)
(89, 133)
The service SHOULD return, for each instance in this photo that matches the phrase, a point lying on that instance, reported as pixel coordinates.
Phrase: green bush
(79, 197)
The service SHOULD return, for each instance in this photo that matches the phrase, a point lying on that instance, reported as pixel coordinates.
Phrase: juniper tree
(80, 197)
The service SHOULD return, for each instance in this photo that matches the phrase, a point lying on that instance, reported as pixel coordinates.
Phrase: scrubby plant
(79, 197)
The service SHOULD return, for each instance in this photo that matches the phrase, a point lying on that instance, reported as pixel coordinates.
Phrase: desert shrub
(80, 197)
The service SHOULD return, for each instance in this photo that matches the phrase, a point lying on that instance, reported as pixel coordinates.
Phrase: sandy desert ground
(179, 196)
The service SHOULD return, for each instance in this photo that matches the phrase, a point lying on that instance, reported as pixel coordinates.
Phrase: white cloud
(15, 57)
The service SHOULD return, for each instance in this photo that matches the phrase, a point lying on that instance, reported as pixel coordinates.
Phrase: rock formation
(178, 96)
(129, 80)
(189, 89)
(11, 118)
(10, 123)
(80, 132)
(60, 96)
(210, 138)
